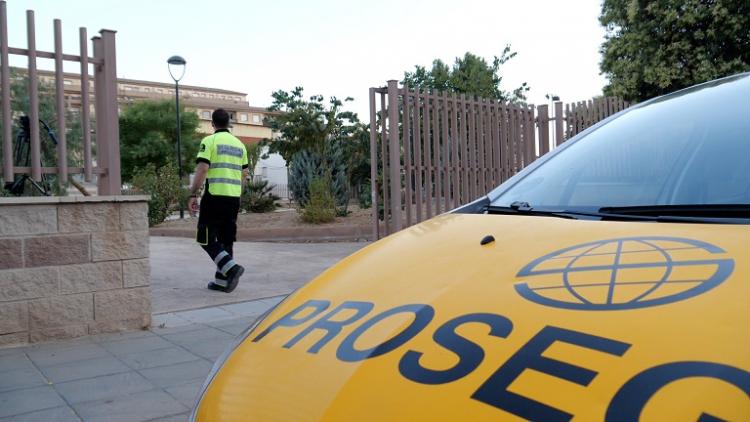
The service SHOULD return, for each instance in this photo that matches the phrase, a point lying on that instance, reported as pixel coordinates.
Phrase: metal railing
(105, 110)
(431, 152)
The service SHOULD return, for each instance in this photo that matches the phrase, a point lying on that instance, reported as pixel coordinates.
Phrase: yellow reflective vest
(227, 157)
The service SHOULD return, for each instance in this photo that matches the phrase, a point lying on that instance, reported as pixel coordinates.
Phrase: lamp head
(176, 64)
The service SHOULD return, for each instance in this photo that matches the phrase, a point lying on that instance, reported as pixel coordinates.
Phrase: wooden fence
(432, 152)
(104, 108)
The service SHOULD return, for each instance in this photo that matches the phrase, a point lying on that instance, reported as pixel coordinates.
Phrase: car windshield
(688, 148)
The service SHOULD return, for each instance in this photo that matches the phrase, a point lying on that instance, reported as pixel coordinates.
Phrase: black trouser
(217, 230)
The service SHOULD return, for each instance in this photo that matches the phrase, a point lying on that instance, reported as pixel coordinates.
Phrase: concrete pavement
(152, 375)
(180, 270)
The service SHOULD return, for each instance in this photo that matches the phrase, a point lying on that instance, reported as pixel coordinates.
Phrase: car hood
(584, 319)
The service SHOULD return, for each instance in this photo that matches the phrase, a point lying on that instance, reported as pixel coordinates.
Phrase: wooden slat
(36, 172)
(394, 151)
(446, 161)
(455, 159)
(384, 160)
(86, 110)
(418, 168)
(436, 161)
(494, 178)
(427, 154)
(62, 148)
(472, 138)
(51, 55)
(409, 176)
(559, 127)
(482, 148)
(55, 170)
(5, 87)
(373, 165)
(464, 149)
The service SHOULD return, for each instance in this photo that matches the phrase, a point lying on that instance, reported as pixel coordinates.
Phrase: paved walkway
(150, 375)
(180, 270)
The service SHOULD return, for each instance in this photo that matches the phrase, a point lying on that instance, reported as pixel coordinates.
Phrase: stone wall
(72, 266)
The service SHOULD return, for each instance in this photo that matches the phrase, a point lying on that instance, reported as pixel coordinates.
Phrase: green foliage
(652, 48)
(307, 166)
(322, 207)
(257, 197)
(163, 185)
(148, 134)
(307, 125)
(470, 75)
(254, 153)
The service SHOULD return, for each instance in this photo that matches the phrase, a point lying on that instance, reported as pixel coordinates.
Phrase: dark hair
(220, 117)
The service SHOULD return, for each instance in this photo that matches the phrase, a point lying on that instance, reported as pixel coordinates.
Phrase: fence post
(395, 154)
(107, 120)
(543, 125)
(62, 149)
(373, 168)
(36, 155)
(558, 123)
(5, 86)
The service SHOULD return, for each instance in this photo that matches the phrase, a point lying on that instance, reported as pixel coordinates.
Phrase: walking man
(222, 164)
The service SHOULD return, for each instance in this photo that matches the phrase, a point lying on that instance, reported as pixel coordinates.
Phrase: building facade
(247, 121)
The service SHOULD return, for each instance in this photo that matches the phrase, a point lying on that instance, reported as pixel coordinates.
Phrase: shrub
(164, 187)
(307, 166)
(322, 206)
(257, 197)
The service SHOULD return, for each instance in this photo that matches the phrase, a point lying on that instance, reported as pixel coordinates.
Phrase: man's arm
(201, 170)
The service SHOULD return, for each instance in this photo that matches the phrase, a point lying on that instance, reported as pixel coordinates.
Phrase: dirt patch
(283, 217)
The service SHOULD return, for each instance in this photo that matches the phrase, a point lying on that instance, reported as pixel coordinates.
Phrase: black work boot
(233, 277)
(217, 287)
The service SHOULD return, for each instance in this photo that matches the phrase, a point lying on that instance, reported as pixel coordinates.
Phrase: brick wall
(72, 266)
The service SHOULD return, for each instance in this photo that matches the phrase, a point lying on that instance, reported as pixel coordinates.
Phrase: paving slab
(141, 406)
(161, 357)
(180, 270)
(57, 414)
(179, 374)
(138, 376)
(137, 345)
(55, 354)
(89, 368)
(186, 394)
(103, 388)
(18, 402)
(26, 377)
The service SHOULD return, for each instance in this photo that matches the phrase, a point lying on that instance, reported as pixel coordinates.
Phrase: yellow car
(608, 281)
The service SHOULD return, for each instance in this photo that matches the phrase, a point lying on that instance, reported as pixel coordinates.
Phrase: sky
(329, 47)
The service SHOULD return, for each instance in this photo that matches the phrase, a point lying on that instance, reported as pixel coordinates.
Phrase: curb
(351, 233)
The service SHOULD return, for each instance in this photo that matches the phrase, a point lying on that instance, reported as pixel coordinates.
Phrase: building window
(256, 118)
(68, 82)
(206, 114)
(231, 116)
(243, 117)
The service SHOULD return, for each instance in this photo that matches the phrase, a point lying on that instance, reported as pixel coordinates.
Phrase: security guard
(222, 163)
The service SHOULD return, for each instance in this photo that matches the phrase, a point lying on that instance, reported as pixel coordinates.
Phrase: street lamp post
(175, 64)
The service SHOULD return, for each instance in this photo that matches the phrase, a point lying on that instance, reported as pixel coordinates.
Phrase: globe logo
(624, 273)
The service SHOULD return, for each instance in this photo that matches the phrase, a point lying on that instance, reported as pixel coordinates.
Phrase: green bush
(322, 206)
(164, 187)
(307, 166)
(257, 197)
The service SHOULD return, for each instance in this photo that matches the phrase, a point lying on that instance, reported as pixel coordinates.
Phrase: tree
(652, 48)
(148, 134)
(312, 131)
(307, 125)
(470, 75)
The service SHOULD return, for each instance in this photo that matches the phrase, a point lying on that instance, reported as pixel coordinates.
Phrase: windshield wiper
(717, 211)
(720, 213)
(523, 208)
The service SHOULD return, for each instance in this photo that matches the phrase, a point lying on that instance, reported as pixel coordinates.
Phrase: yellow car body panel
(609, 312)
